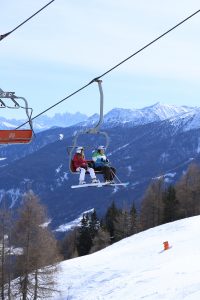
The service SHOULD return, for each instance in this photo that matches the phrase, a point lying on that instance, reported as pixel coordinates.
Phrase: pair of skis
(99, 184)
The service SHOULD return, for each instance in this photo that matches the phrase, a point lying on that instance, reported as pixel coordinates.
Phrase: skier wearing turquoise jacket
(101, 163)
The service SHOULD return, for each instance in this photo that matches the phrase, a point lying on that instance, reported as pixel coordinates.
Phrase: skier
(81, 165)
(101, 163)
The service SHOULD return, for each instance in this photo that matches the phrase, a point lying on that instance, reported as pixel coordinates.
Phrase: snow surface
(138, 267)
(75, 223)
(61, 136)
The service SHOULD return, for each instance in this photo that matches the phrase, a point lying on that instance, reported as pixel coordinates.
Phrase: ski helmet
(79, 149)
(101, 148)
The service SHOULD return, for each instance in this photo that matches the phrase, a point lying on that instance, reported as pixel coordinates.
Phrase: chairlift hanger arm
(10, 95)
(96, 128)
(2, 104)
(13, 97)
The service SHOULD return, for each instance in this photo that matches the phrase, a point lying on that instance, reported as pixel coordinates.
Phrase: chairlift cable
(116, 66)
(44, 111)
(2, 36)
(149, 44)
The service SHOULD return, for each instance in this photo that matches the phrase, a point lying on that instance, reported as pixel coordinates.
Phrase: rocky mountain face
(140, 153)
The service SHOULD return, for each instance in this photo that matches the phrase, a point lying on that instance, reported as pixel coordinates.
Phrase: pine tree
(89, 228)
(111, 219)
(170, 210)
(134, 220)
(122, 224)
(94, 224)
(84, 238)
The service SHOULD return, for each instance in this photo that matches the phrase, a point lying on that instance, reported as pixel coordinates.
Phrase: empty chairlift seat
(16, 136)
(20, 136)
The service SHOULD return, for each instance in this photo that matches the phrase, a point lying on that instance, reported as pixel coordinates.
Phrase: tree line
(94, 234)
(29, 251)
(161, 203)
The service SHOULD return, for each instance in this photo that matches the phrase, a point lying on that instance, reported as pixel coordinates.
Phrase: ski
(99, 184)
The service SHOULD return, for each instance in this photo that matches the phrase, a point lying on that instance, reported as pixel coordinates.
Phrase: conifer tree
(94, 224)
(170, 209)
(84, 239)
(134, 220)
(87, 232)
(111, 219)
(122, 224)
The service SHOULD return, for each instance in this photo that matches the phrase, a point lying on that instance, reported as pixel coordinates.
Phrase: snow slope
(138, 268)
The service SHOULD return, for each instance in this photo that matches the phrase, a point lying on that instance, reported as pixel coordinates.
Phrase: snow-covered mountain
(9, 124)
(117, 116)
(45, 122)
(138, 267)
(154, 113)
(59, 120)
(187, 121)
(139, 154)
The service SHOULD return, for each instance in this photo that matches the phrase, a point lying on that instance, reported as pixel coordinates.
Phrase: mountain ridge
(140, 154)
(133, 117)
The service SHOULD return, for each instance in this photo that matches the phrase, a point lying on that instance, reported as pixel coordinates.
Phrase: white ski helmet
(101, 148)
(79, 149)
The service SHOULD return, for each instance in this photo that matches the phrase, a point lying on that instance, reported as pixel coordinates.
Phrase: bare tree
(69, 249)
(152, 205)
(188, 192)
(5, 254)
(36, 266)
(100, 241)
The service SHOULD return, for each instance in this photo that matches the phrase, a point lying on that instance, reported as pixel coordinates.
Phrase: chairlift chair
(16, 136)
(93, 130)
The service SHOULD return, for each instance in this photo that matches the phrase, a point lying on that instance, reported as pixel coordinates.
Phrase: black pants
(108, 172)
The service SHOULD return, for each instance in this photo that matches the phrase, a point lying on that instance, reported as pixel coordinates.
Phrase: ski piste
(99, 184)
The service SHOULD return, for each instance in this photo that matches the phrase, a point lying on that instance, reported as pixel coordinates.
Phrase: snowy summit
(138, 267)
(153, 113)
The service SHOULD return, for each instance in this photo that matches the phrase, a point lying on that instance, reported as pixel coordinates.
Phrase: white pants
(83, 171)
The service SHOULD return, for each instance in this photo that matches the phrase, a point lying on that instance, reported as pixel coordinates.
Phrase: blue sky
(71, 42)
